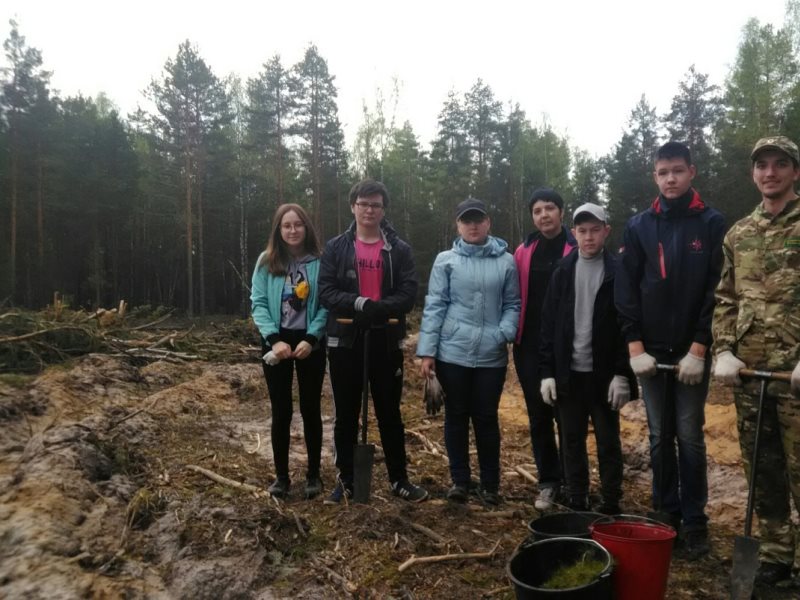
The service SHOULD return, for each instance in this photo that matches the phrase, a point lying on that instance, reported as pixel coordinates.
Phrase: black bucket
(533, 563)
(563, 524)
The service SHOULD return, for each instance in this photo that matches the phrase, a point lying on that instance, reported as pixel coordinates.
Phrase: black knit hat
(547, 194)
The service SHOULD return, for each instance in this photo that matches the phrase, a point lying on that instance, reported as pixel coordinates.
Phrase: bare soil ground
(96, 500)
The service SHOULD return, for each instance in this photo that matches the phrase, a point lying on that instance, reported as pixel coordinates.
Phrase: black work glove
(361, 320)
(376, 312)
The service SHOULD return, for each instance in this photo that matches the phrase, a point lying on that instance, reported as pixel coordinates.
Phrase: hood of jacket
(491, 248)
(535, 236)
(387, 231)
(688, 204)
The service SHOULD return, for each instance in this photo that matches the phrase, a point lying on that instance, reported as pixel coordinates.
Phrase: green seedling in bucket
(578, 574)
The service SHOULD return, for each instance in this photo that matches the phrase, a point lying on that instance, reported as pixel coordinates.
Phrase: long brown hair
(277, 257)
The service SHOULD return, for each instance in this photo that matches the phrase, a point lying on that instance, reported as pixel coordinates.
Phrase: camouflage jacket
(757, 316)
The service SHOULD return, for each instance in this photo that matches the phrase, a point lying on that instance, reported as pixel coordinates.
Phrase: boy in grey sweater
(584, 368)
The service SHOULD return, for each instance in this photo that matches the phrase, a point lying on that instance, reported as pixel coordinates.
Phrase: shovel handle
(754, 373)
(773, 375)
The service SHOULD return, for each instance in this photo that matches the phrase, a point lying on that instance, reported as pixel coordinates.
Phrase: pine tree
(267, 115)
(759, 99)
(192, 106)
(24, 97)
(316, 124)
(630, 167)
(695, 110)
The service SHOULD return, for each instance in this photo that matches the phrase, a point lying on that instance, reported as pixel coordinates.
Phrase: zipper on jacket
(661, 262)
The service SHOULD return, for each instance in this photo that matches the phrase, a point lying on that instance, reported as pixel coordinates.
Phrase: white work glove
(548, 390)
(690, 369)
(643, 365)
(271, 359)
(796, 380)
(619, 392)
(727, 368)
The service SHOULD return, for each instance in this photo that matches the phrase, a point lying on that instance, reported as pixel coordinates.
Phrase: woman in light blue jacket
(471, 315)
(286, 310)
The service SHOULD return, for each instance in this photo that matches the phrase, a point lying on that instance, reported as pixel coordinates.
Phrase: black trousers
(310, 373)
(472, 395)
(386, 387)
(587, 397)
(541, 417)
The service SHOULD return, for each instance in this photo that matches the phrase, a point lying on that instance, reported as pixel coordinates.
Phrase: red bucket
(642, 550)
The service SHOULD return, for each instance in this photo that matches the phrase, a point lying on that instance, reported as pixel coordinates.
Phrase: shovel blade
(363, 459)
(745, 566)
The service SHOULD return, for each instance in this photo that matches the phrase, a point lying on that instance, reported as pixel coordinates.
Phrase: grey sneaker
(313, 486)
(546, 499)
(489, 497)
(280, 488)
(458, 493)
(408, 491)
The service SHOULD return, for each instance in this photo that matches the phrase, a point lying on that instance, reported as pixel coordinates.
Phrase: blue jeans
(684, 475)
(472, 394)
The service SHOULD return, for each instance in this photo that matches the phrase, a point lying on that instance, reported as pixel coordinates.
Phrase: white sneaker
(546, 498)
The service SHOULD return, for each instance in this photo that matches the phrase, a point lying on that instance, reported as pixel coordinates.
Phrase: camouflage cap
(777, 142)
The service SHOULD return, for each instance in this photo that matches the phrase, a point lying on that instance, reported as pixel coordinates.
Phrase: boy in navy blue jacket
(584, 361)
(671, 264)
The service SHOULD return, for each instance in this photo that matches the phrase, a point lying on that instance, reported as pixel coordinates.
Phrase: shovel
(745, 547)
(364, 453)
(667, 420)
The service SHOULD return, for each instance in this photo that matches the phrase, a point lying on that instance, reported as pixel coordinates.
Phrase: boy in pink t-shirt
(367, 275)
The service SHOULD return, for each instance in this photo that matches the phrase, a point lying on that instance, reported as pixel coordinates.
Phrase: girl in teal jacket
(286, 310)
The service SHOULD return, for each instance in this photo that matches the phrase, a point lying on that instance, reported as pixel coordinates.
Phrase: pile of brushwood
(29, 341)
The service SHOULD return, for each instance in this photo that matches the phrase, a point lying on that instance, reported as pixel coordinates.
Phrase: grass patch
(17, 380)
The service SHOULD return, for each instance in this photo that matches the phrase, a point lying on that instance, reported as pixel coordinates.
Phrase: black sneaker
(578, 504)
(408, 491)
(313, 486)
(695, 544)
(279, 488)
(342, 490)
(609, 508)
(489, 498)
(458, 493)
(770, 573)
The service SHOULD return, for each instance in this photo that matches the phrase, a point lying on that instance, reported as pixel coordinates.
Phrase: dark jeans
(588, 397)
(542, 418)
(385, 384)
(310, 372)
(472, 394)
(684, 474)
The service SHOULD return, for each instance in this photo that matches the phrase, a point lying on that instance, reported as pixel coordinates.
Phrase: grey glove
(727, 368)
(690, 369)
(619, 392)
(796, 380)
(548, 391)
(271, 359)
(434, 395)
(643, 365)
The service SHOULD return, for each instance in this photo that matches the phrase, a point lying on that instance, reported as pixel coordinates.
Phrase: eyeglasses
(369, 205)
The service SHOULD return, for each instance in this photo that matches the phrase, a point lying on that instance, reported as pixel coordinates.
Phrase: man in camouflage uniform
(757, 326)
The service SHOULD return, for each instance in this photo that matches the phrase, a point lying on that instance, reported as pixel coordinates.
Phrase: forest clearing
(102, 491)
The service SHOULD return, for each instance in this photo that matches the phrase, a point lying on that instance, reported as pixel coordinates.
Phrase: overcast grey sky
(581, 65)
